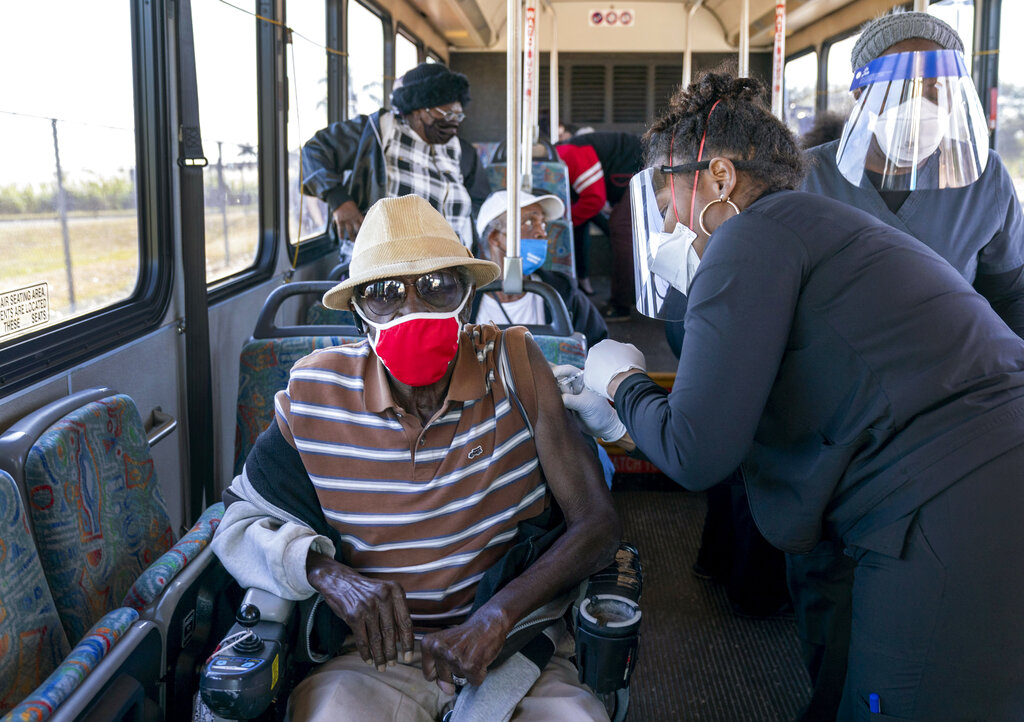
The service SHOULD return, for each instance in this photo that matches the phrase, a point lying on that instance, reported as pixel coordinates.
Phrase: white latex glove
(569, 378)
(607, 359)
(597, 416)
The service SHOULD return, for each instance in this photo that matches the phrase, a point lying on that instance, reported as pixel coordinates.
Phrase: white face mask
(906, 140)
(674, 258)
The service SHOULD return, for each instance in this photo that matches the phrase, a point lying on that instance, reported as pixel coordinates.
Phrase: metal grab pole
(513, 282)
(688, 52)
(921, 6)
(553, 76)
(778, 58)
(744, 59)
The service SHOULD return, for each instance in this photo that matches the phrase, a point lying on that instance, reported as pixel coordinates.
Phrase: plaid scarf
(431, 172)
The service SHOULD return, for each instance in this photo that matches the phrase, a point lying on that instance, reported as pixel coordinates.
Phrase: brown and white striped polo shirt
(430, 506)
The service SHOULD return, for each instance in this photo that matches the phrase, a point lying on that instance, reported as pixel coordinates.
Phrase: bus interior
(162, 271)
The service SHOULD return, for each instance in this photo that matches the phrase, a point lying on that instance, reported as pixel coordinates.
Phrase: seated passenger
(395, 476)
(528, 308)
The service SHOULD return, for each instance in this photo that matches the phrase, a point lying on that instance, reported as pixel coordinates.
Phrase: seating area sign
(24, 308)
(612, 17)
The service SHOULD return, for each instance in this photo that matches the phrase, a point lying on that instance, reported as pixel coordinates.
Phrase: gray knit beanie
(886, 31)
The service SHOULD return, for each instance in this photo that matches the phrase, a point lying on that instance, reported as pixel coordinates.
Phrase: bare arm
(592, 535)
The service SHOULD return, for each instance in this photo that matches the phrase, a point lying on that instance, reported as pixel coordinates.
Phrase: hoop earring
(700, 219)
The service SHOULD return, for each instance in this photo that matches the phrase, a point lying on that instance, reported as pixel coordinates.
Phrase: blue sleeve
(741, 308)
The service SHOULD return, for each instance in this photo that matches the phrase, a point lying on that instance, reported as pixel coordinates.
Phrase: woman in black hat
(414, 149)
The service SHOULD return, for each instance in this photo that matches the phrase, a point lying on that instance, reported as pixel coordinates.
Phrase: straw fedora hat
(405, 237)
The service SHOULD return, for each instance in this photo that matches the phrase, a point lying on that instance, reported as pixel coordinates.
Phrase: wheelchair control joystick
(248, 617)
(245, 673)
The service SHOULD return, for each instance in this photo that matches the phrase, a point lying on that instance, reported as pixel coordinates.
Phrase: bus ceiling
(480, 24)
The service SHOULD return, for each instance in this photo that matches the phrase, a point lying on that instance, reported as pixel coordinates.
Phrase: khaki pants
(347, 688)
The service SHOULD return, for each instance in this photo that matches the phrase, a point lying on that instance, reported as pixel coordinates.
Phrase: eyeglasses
(443, 290)
(533, 223)
(450, 116)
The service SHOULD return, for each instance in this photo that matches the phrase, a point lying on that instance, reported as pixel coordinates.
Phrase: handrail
(561, 323)
(266, 327)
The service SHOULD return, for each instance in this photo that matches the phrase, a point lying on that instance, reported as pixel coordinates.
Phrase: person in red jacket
(600, 166)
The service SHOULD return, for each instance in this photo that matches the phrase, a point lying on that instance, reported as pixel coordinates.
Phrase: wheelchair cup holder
(608, 624)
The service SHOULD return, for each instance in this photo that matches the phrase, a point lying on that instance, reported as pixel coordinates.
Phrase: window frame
(311, 248)
(817, 78)
(270, 133)
(39, 355)
(405, 32)
(826, 52)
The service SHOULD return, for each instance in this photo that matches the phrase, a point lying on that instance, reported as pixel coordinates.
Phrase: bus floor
(697, 659)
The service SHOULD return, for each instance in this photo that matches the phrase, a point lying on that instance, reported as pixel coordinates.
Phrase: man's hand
(464, 651)
(374, 610)
(347, 218)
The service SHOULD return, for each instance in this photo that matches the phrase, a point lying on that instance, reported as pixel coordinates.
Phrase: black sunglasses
(443, 290)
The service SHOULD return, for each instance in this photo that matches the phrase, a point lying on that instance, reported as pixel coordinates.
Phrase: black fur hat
(429, 85)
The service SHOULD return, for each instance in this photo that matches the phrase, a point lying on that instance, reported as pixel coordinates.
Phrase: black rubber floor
(699, 661)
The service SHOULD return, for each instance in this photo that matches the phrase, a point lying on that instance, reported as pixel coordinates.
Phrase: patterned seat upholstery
(41, 703)
(96, 508)
(548, 177)
(32, 639)
(563, 349)
(485, 151)
(152, 582)
(319, 315)
(264, 366)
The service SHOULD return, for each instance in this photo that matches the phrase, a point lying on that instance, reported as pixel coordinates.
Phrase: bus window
(69, 229)
(307, 110)
(225, 44)
(840, 75)
(960, 16)
(406, 55)
(800, 82)
(365, 60)
(1010, 129)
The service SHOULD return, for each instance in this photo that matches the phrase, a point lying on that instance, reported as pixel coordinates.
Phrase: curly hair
(741, 128)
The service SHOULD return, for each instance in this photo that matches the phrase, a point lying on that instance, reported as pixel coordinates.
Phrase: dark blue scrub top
(854, 372)
(978, 229)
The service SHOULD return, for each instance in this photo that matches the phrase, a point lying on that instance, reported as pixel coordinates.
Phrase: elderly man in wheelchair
(428, 484)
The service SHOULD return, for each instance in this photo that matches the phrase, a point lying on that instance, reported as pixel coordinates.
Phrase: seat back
(32, 639)
(94, 502)
(559, 343)
(549, 176)
(267, 359)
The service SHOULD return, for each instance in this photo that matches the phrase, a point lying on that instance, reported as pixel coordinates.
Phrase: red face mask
(417, 349)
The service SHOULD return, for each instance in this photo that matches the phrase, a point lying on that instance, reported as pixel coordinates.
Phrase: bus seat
(94, 503)
(319, 315)
(550, 175)
(32, 639)
(558, 342)
(485, 151)
(39, 674)
(267, 359)
(101, 527)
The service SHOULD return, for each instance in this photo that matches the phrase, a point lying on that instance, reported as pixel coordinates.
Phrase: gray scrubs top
(978, 229)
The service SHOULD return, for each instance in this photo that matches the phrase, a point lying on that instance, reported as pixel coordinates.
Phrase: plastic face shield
(916, 124)
(663, 258)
